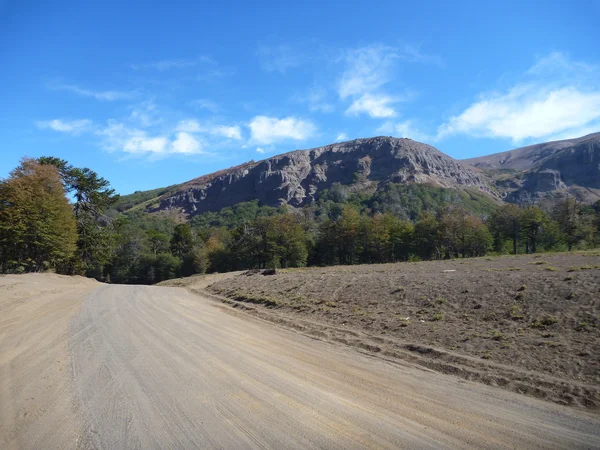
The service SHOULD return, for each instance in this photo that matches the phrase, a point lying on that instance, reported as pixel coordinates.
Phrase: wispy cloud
(186, 143)
(145, 114)
(405, 129)
(117, 136)
(317, 100)
(555, 97)
(269, 130)
(375, 105)
(109, 95)
(65, 126)
(209, 105)
(341, 137)
(368, 70)
(280, 57)
(559, 64)
(226, 131)
(411, 53)
(175, 63)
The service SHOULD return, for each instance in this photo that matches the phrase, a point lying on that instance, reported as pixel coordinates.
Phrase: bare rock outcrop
(297, 178)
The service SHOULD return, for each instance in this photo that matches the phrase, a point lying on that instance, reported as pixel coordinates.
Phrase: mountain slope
(540, 170)
(297, 178)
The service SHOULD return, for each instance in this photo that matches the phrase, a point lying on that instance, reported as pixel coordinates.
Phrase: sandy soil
(37, 409)
(85, 365)
(163, 368)
(530, 323)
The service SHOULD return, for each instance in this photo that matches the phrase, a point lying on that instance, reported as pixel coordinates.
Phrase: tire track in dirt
(158, 367)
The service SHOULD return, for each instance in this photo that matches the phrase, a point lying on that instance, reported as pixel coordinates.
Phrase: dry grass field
(528, 323)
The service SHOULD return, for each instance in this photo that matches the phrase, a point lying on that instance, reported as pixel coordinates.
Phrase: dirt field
(37, 407)
(530, 324)
(85, 365)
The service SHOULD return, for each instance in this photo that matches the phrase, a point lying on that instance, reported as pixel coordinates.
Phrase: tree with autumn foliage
(37, 227)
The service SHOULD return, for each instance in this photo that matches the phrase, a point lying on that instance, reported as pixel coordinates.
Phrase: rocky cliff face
(298, 177)
(540, 170)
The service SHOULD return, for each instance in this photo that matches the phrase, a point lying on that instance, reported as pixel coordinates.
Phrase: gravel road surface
(160, 367)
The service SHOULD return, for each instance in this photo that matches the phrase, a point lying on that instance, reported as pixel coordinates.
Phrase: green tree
(574, 226)
(401, 238)
(532, 223)
(182, 241)
(426, 237)
(478, 239)
(159, 242)
(37, 229)
(93, 196)
(505, 223)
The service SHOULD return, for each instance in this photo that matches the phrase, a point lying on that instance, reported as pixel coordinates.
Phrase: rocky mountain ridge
(541, 170)
(297, 178)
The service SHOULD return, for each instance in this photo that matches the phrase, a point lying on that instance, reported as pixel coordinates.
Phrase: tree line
(41, 229)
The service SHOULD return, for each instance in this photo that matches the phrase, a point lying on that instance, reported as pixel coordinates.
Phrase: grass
(544, 322)
(586, 267)
(496, 335)
(438, 316)
(516, 312)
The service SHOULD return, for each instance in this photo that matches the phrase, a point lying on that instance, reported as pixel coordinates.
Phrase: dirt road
(158, 367)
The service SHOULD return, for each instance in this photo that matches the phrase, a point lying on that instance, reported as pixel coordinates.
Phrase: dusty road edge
(537, 385)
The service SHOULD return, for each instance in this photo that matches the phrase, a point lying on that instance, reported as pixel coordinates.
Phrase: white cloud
(260, 150)
(186, 143)
(368, 69)
(98, 95)
(118, 137)
(145, 144)
(527, 111)
(377, 106)
(405, 129)
(556, 98)
(65, 126)
(145, 114)
(268, 130)
(341, 137)
(228, 132)
(189, 126)
(193, 126)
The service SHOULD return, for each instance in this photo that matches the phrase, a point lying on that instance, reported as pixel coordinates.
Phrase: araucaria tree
(37, 227)
(93, 196)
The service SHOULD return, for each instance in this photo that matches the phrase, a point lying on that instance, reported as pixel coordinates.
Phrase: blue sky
(150, 94)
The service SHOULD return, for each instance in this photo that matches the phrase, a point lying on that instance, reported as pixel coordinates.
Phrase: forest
(56, 217)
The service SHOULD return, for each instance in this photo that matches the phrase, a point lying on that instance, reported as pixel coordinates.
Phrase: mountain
(299, 177)
(542, 170)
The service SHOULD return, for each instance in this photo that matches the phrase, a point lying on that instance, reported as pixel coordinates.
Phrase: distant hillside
(140, 198)
(367, 166)
(298, 178)
(542, 170)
